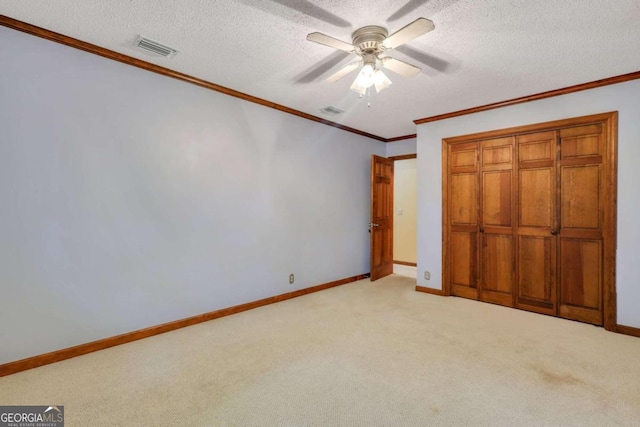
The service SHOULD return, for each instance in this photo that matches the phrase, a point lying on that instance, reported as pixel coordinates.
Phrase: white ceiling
(481, 51)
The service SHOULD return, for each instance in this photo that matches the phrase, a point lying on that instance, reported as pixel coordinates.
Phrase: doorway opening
(405, 215)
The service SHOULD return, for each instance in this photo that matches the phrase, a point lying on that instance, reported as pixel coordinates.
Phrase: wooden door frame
(610, 122)
(403, 157)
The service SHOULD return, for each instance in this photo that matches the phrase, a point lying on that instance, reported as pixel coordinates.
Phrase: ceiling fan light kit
(381, 81)
(369, 43)
(364, 79)
(370, 76)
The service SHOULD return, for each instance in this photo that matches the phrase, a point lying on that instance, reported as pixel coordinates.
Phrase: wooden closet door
(462, 250)
(529, 217)
(496, 221)
(581, 192)
(536, 228)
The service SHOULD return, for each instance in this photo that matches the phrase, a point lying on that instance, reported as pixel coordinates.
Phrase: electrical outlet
(427, 275)
(291, 279)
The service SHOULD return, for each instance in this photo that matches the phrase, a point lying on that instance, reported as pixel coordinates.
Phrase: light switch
(399, 211)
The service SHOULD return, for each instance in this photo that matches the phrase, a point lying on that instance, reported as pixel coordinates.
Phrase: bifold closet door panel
(496, 221)
(581, 196)
(536, 228)
(462, 251)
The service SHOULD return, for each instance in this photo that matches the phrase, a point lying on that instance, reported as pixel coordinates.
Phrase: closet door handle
(482, 229)
(554, 232)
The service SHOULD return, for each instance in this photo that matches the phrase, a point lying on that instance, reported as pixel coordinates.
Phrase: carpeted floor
(362, 354)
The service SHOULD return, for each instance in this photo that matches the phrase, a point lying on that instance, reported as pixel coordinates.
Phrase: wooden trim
(446, 287)
(410, 264)
(628, 330)
(563, 91)
(431, 291)
(125, 59)
(400, 138)
(79, 350)
(403, 157)
(610, 224)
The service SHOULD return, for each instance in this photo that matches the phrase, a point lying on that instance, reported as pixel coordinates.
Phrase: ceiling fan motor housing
(368, 40)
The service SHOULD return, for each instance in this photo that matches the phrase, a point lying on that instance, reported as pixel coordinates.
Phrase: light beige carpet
(362, 354)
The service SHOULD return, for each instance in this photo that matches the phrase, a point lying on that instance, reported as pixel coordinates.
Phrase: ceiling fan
(370, 43)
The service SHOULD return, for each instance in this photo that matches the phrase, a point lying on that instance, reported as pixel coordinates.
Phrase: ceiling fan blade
(330, 41)
(399, 67)
(409, 32)
(343, 71)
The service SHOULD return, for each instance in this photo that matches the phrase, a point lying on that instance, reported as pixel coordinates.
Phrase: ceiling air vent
(332, 111)
(155, 47)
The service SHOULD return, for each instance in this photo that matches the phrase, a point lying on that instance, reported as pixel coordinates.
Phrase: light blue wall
(623, 97)
(399, 148)
(130, 199)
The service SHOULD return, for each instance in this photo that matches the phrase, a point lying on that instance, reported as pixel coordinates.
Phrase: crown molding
(129, 60)
(401, 138)
(551, 93)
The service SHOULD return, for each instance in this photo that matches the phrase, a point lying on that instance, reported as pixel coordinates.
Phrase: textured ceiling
(481, 51)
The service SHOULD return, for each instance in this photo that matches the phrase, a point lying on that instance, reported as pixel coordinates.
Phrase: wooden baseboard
(628, 330)
(410, 264)
(430, 291)
(68, 353)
